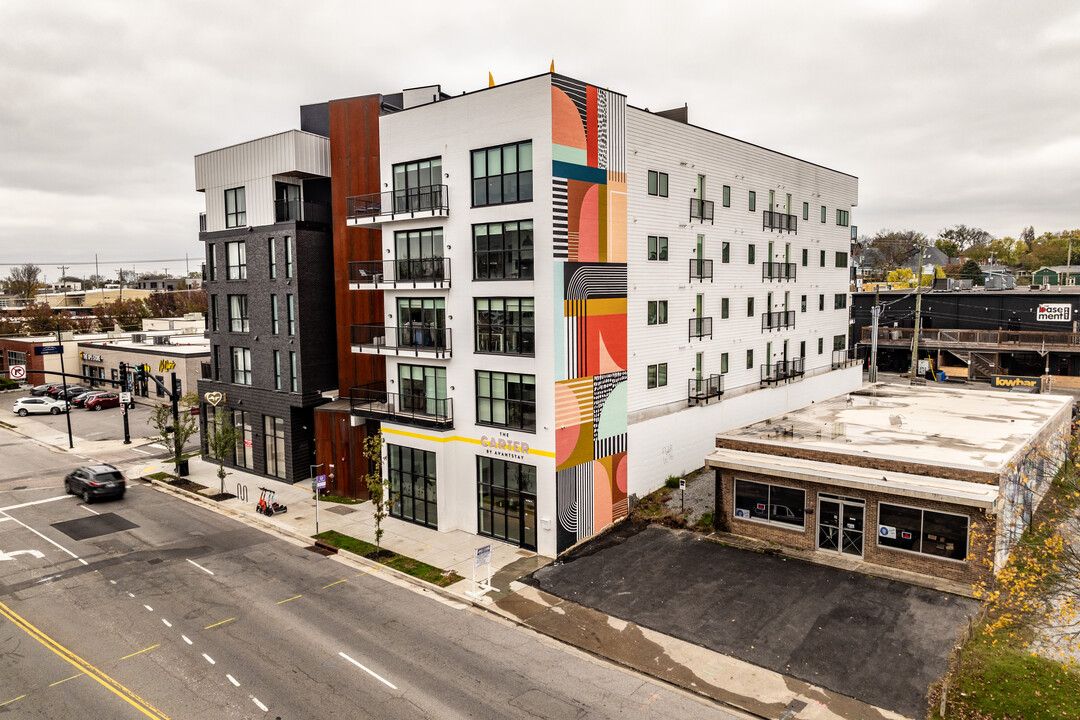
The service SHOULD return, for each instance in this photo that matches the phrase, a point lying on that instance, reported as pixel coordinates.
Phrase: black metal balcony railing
(778, 320)
(301, 210)
(399, 204)
(781, 371)
(421, 272)
(701, 210)
(701, 327)
(771, 220)
(700, 269)
(414, 339)
(202, 222)
(778, 270)
(701, 390)
(373, 401)
(848, 357)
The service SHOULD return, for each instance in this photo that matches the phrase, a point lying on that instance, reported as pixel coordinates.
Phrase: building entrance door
(840, 524)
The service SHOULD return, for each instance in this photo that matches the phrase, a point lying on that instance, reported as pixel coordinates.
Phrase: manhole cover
(94, 526)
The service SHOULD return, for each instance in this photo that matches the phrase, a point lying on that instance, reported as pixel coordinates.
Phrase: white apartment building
(579, 295)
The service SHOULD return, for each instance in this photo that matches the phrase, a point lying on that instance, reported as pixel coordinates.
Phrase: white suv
(27, 405)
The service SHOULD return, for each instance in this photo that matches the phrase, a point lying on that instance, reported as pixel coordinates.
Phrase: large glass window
(770, 503)
(412, 485)
(245, 444)
(14, 357)
(656, 375)
(840, 301)
(658, 247)
(505, 325)
(241, 366)
(839, 342)
(418, 185)
(238, 314)
(503, 251)
(922, 531)
(506, 497)
(502, 174)
(506, 400)
(658, 312)
(236, 254)
(422, 322)
(274, 439)
(423, 389)
(658, 183)
(841, 259)
(235, 208)
(418, 254)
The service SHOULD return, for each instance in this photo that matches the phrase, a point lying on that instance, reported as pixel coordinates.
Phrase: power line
(93, 262)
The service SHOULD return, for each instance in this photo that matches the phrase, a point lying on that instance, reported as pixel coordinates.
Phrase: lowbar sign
(1054, 312)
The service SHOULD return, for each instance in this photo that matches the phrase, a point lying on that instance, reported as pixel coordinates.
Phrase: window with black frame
(418, 185)
(412, 485)
(506, 499)
(506, 400)
(502, 174)
(505, 325)
(503, 251)
(236, 254)
(922, 531)
(238, 314)
(422, 322)
(770, 503)
(418, 254)
(235, 208)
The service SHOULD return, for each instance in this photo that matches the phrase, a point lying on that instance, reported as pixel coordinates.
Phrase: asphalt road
(154, 607)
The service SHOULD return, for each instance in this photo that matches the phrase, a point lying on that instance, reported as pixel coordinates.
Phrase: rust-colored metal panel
(340, 445)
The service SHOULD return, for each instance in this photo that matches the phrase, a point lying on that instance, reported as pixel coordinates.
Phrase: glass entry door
(840, 524)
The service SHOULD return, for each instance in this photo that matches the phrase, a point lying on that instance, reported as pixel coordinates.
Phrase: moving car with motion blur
(94, 482)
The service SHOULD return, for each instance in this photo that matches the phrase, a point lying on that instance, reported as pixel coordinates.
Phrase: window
(802, 305)
(235, 208)
(922, 531)
(822, 213)
(842, 217)
(217, 363)
(506, 400)
(502, 174)
(723, 308)
(725, 252)
(749, 359)
(288, 256)
(802, 348)
(290, 314)
(277, 369)
(423, 390)
(658, 183)
(839, 301)
(422, 323)
(211, 261)
(723, 363)
(753, 201)
(806, 211)
(274, 444)
(238, 314)
(839, 342)
(820, 345)
(727, 196)
(241, 366)
(749, 307)
(751, 251)
(658, 247)
(213, 313)
(505, 325)
(418, 254)
(274, 325)
(271, 253)
(412, 485)
(245, 456)
(503, 251)
(658, 312)
(236, 254)
(821, 302)
(657, 375)
(841, 259)
(506, 495)
(417, 185)
(770, 503)
(805, 257)
(821, 260)
(293, 376)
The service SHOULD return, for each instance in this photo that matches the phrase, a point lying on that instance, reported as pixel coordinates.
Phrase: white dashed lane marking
(373, 674)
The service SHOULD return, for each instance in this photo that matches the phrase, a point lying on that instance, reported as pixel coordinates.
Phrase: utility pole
(913, 372)
(875, 313)
(123, 406)
(63, 274)
(63, 374)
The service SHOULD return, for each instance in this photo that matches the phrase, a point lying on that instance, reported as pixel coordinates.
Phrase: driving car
(93, 482)
(38, 405)
(102, 401)
(80, 400)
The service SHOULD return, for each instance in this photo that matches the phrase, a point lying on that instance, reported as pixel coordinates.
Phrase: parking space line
(199, 566)
(87, 508)
(261, 706)
(8, 702)
(334, 583)
(34, 502)
(66, 679)
(140, 652)
(209, 659)
(233, 680)
(281, 602)
(20, 522)
(218, 623)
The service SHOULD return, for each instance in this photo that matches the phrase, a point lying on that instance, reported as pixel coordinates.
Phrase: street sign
(483, 556)
(682, 483)
(320, 482)
(123, 409)
(17, 372)
(125, 398)
(48, 350)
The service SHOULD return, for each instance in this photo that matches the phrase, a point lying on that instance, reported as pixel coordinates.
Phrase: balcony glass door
(413, 185)
(418, 254)
(700, 261)
(423, 389)
(286, 202)
(422, 322)
(840, 525)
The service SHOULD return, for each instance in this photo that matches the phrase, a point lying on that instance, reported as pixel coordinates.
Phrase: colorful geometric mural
(588, 136)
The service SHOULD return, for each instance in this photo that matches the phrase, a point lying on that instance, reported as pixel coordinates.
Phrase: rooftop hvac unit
(66, 336)
(161, 340)
(112, 334)
(191, 331)
(193, 316)
(138, 337)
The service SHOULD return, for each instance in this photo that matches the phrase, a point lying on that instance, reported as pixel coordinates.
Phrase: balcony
(701, 269)
(301, 211)
(372, 401)
(783, 371)
(701, 210)
(779, 221)
(847, 358)
(378, 208)
(701, 390)
(424, 273)
(778, 270)
(777, 320)
(700, 327)
(412, 340)
(966, 340)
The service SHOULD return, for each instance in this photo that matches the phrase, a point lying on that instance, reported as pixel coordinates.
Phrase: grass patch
(160, 476)
(405, 564)
(341, 499)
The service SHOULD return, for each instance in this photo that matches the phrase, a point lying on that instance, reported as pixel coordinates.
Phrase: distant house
(158, 283)
(1056, 274)
(931, 257)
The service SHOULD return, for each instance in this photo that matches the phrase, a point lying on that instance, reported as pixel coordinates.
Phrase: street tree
(377, 485)
(221, 438)
(175, 433)
(23, 281)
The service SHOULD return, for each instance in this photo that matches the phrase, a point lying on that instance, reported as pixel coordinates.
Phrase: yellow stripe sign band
(457, 438)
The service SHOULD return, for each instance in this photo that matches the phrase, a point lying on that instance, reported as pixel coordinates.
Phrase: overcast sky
(948, 112)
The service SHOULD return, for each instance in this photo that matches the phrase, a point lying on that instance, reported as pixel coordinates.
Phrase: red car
(105, 400)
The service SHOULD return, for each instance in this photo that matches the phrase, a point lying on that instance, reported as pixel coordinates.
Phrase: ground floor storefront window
(922, 531)
(506, 495)
(274, 438)
(412, 485)
(245, 445)
(770, 503)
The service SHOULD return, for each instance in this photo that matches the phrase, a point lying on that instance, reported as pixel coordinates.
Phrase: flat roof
(969, 429)
(956, 492)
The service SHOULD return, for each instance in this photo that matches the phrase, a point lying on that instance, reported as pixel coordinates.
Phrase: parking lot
(107, 424)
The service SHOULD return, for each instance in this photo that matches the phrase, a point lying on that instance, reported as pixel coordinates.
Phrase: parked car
(80, 400)
(73, 391)
(102, 401)
(58, 388)
(39, 390)
(38, 405)
(94, 482)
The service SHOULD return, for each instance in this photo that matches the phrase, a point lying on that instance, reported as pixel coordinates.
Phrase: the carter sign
(1054, 312)
(501, 443)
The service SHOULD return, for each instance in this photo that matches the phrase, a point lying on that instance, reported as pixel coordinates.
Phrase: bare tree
(23, 281)
(966, 237)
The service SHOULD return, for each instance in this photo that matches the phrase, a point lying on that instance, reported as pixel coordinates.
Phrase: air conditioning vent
(161, 340)
(138, 337)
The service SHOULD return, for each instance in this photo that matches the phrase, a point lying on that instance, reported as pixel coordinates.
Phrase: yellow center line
(98, 676)
(218, 623)
(140, 652)
(66, 679)
(12, 700)
(280, 602)
(335, 583)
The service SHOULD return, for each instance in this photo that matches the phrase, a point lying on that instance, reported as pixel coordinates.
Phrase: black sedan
(94, 482)
(39, 390)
